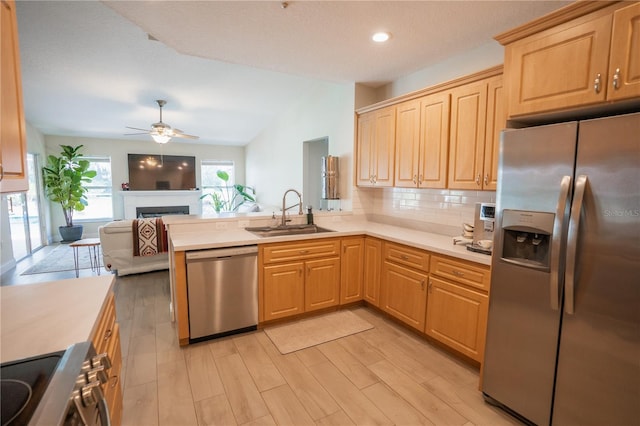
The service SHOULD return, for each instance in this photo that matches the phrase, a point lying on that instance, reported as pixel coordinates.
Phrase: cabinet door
(351, 270)
(365, 149)
(407, 144)
(372, 266)
(385, 147)
(404, 294)
(466, 148)
(13, 142)
(283, 290)
(434, 141)
(322, 283)
(457, 317)
(557, 68)
(625, 54)
(496, 122)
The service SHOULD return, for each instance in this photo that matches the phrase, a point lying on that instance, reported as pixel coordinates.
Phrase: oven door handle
(103, 409)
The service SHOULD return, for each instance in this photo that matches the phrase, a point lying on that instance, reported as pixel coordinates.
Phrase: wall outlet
(221, 225)
(243, 223)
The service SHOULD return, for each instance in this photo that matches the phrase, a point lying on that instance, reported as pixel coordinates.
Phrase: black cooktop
(23, 384)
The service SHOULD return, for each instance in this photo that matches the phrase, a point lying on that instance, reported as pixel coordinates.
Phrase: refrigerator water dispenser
(527, 238)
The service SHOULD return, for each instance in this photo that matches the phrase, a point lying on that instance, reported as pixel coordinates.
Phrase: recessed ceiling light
(380, 37)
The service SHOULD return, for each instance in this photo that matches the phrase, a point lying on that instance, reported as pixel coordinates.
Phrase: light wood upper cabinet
(351, 269)
(376, 147)
(372, 266)
(13, 142)
(496, 122)
(422, 137)
(467, 140)
(625, 53)
(582, 62)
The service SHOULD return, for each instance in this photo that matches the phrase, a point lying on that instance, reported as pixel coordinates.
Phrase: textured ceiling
(227, 68)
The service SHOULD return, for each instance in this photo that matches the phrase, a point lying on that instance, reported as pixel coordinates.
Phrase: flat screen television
(150, 172)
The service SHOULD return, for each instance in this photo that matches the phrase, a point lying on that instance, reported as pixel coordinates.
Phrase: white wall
(118, 150)
(274, 159)
(485, 56)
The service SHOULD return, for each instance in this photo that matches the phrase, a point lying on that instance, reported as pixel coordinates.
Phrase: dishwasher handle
(222, 252)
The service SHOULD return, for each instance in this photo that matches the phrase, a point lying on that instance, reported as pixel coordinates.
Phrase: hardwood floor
(385, 375)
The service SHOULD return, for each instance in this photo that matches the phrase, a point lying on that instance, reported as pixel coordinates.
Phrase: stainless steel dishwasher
(222, 286)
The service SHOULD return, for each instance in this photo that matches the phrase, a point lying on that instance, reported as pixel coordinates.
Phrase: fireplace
(142, 212)
(160, 201)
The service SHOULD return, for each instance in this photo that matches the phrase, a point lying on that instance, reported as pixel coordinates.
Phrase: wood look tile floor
(385, 375)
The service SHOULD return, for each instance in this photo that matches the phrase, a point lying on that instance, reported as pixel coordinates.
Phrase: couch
(116, 240)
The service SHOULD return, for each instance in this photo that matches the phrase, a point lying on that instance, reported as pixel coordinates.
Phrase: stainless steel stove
(60, 388)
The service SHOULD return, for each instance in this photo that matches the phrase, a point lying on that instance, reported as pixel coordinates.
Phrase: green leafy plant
(227, 198)
(64, 178)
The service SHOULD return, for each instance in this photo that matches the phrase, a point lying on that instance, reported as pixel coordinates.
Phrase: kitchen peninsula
(419, 278)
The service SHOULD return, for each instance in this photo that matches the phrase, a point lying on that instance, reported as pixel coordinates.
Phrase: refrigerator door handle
(572, 242)
(556, 240)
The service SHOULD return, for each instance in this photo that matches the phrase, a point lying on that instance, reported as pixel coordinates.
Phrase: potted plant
(64, 178)
(229, 197)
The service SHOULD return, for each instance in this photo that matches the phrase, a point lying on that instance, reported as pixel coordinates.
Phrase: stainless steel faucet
(283, 222)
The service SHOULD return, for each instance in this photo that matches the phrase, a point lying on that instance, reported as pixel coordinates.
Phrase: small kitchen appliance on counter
(483, 228)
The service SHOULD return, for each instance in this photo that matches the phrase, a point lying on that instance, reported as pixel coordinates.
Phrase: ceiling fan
(162, 132)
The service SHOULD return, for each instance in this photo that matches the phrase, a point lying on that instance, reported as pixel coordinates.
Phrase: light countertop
(51, 316)
(214, 238)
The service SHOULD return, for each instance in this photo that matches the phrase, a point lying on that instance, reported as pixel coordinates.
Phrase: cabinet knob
(478, 179)
(458, 273)
(430, 285)
(415, 179)
(422, 284)
(596, 83)
(420, 177)
(486, 179)
(1, 172)
(616, 79)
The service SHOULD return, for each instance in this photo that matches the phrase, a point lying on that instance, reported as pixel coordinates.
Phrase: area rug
(314, 331)
(61, 259)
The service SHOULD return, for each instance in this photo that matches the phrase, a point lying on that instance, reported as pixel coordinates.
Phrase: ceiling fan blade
(184, 135)
(133, 134)
(137, 128)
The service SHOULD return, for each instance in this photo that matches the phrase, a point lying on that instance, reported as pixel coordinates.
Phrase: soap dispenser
(309, 216)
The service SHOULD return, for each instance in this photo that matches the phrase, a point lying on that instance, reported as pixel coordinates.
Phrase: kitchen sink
(277, 231)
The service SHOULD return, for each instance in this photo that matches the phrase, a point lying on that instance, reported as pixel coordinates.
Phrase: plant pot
(70, 234)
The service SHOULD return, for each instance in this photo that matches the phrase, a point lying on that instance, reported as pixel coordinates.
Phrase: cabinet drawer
(301, 250)
(407, 256)
(115, 355)
(467, 273)
(105, 329)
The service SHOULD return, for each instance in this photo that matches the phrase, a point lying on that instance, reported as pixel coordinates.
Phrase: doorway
(313, 151)
(24, 214)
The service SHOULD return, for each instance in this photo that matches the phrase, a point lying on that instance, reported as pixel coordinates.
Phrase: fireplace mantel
(133, 199)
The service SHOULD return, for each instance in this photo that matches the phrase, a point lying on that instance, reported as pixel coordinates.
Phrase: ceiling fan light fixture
(381, 36)
(160, 138)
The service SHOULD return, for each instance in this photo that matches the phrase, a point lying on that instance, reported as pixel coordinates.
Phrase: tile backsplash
(441, 211)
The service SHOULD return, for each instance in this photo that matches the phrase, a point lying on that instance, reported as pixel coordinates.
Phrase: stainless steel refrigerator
(563, 334)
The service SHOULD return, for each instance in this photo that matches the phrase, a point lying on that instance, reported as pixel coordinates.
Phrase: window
(213, 184)
(99, 198)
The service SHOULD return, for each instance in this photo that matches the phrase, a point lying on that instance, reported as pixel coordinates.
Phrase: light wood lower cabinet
(298, 277)
(351, 269)
(372, 266)
(458, 304)
(404, 284)
(107, 340)
(283, 290)
(322, 284)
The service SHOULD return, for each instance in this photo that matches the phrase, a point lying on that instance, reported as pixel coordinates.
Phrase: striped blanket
(149, 237)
